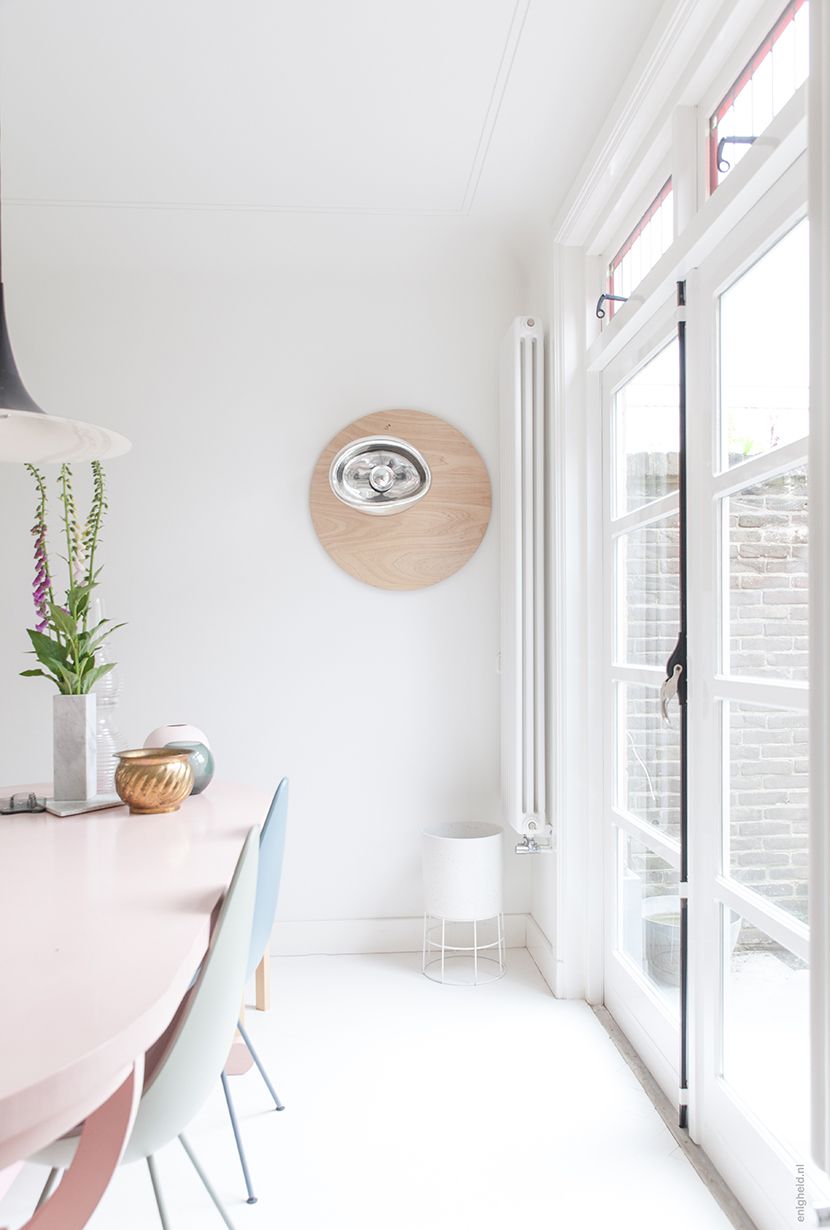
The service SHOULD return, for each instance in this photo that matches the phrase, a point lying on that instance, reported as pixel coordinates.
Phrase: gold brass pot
(154, 779)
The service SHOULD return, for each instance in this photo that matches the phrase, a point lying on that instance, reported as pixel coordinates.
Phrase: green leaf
(90, 678)
(43, 674)
(50, 653)
(99, 640)
(62, 620)
(70, 682)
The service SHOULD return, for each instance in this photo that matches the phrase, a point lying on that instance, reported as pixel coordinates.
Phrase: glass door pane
(648, 760)
(766, 1028)
(766, 825)
(648, 910)
(646, 433)
(767, 543)
(642, 583)
(764, 352)
(648, 592)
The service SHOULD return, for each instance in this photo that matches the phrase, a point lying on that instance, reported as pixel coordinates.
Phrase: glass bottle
(108, 691)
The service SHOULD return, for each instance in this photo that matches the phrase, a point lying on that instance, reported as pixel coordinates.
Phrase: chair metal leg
(206, 1182)
(154, 1179)
(49, 1186)
(240, 1148)
(262, 1071)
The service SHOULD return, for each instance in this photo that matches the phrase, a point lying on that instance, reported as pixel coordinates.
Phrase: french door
(707, 945)
(643, 769)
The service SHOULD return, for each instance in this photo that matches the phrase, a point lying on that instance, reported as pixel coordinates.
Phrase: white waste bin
(463, 907)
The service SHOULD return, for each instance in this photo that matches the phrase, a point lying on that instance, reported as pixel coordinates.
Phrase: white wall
(230, 347)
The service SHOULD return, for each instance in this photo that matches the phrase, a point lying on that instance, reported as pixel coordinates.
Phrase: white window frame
(696, 49)
(719, 1120)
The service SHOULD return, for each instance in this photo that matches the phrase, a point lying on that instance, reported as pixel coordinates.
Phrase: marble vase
(74, 747)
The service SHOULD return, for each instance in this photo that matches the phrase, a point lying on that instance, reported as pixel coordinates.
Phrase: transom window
(769, 80)
(643, 248)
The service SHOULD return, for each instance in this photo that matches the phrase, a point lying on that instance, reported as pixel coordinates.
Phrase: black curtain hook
(601, 300)
(723, 165)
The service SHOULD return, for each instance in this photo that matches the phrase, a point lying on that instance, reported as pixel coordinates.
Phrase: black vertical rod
(681, 698)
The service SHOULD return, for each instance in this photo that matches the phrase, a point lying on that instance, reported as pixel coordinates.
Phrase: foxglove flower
(62, 641)
(77, 562)
(42, 583)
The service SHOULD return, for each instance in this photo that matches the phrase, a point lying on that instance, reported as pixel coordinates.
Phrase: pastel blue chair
(180, 1068)
(271, 849)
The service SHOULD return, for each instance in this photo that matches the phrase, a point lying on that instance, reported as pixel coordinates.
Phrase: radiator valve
(529, 844)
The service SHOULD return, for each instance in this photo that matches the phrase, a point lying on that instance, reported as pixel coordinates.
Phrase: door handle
(668, 690)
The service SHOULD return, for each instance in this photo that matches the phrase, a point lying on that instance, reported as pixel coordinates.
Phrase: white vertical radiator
(523, 578)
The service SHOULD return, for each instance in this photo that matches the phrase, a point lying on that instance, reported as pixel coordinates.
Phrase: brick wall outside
(768, 640)
(767, 538)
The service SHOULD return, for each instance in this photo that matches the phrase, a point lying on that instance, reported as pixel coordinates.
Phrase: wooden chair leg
(263, 983)
(239, 1059)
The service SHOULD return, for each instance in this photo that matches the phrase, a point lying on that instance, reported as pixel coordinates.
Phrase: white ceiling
(404, 106)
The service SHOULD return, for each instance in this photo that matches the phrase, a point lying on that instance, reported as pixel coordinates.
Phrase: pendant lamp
(28, 433)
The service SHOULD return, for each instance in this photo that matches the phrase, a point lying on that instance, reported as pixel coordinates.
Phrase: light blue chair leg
(262, 1071)
(157, 1192)
(240, 1148)
(206, 1182)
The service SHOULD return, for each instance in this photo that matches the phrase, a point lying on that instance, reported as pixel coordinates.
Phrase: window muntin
(643, 248)
(768, 81)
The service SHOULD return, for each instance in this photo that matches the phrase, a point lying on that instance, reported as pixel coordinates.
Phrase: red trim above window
(638, 230)
(758, 57)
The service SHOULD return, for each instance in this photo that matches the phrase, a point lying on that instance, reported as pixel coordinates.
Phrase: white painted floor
(411, 1106)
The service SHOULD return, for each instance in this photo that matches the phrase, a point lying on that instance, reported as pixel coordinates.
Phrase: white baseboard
(541, 949)
(341, 936)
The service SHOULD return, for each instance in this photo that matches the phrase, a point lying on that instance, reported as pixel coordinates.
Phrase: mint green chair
(181, 1068)
(269, 873)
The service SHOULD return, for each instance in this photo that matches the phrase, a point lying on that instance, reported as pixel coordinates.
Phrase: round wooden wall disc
(423, 544)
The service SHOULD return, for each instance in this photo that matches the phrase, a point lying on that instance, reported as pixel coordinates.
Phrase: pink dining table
(104, 919)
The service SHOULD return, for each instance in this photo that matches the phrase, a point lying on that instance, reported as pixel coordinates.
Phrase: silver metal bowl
(379, 475)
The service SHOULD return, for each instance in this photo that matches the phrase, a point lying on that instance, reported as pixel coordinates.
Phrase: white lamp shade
(41, 438)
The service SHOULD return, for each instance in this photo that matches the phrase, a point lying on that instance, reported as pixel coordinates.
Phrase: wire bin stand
(463, 911)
